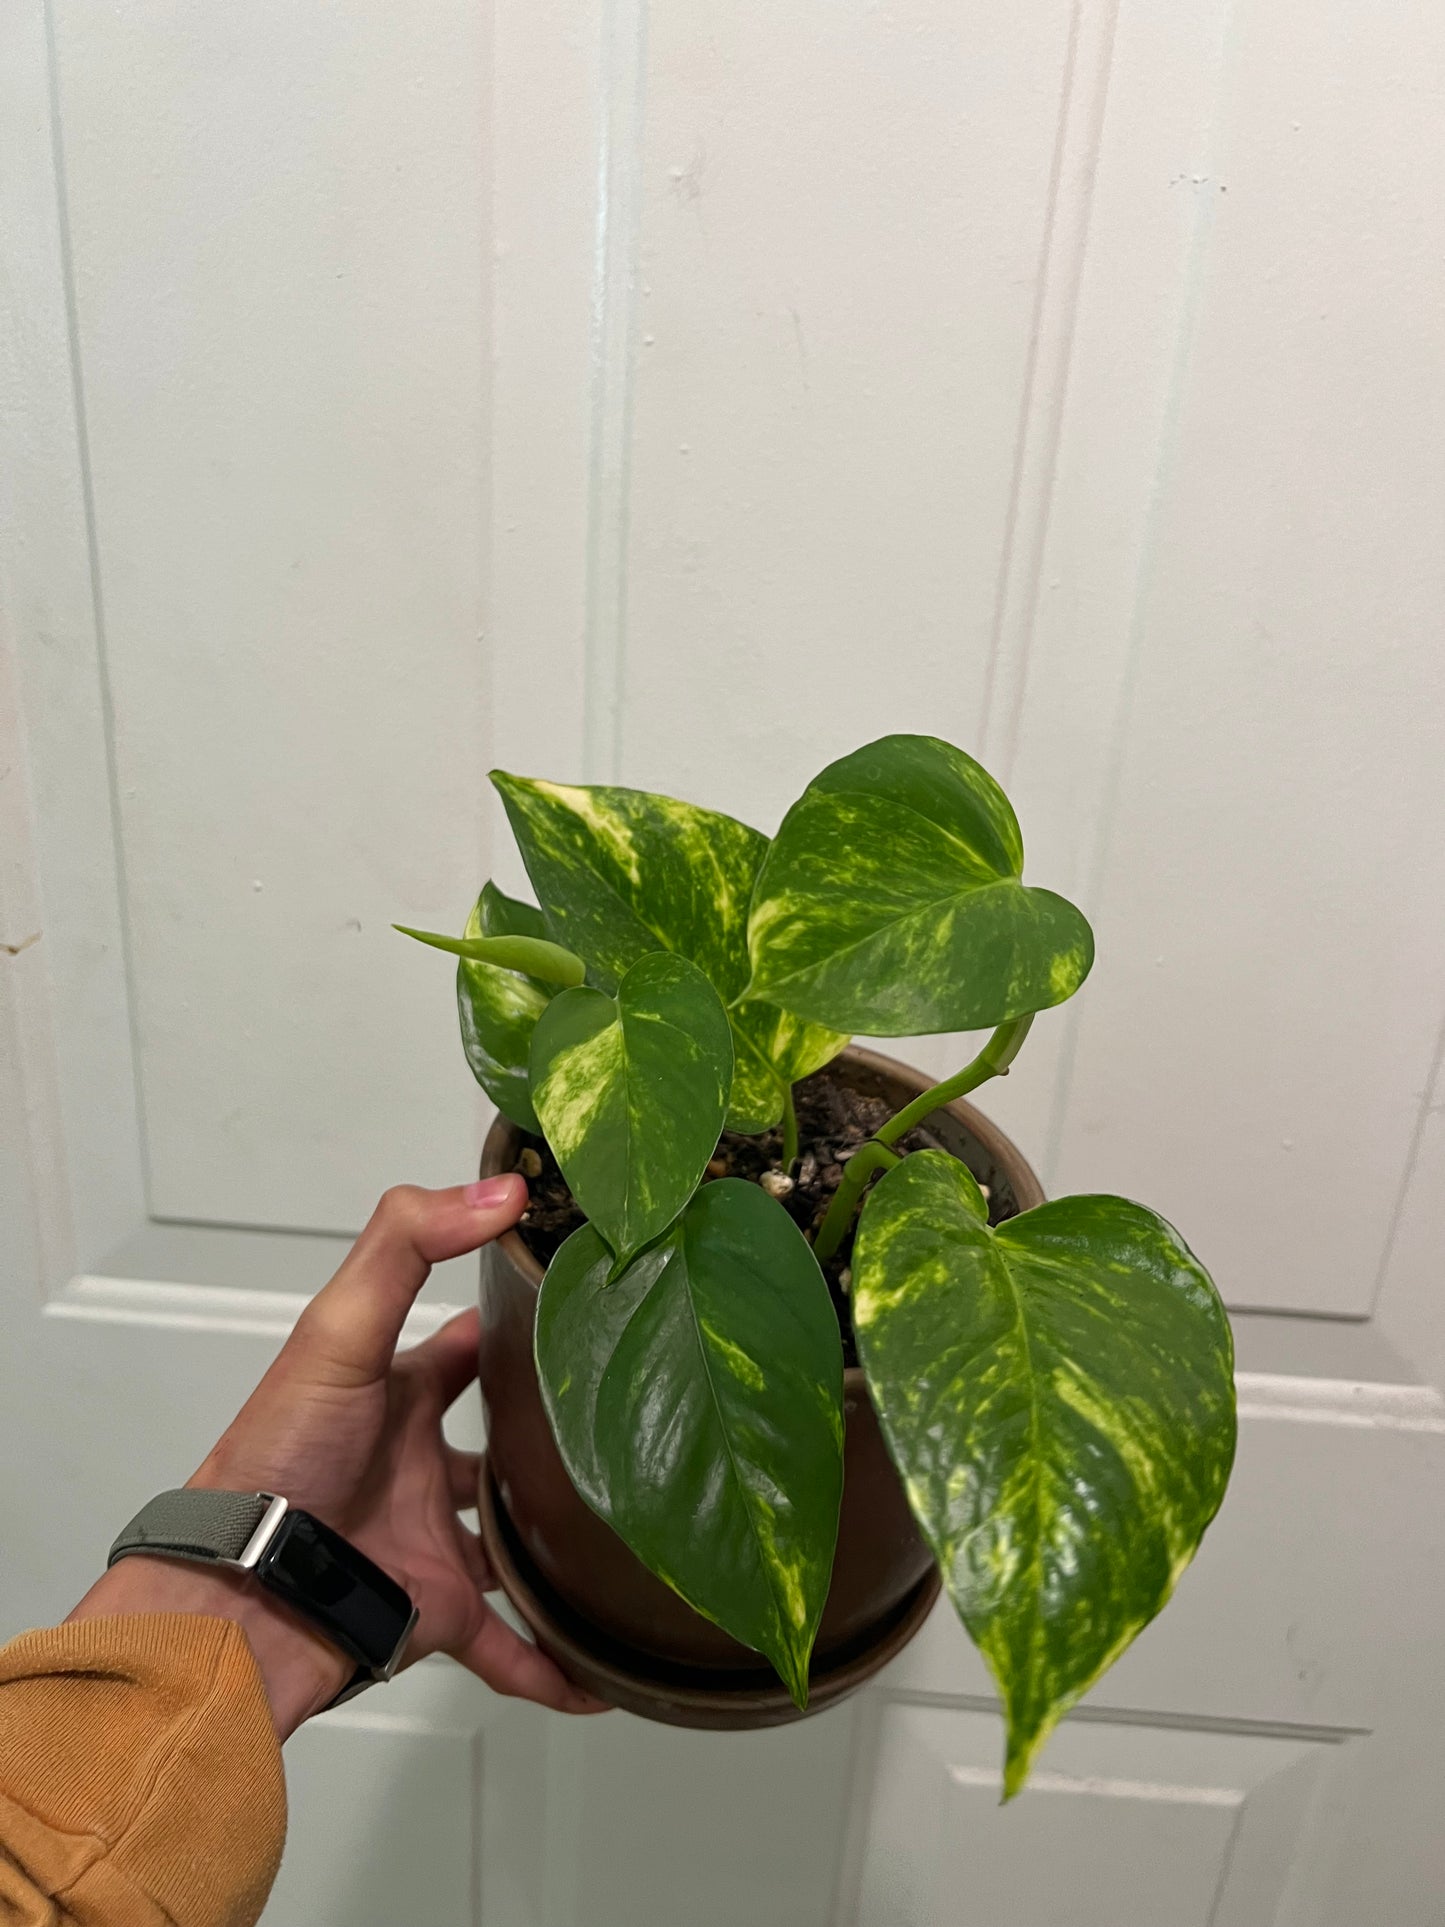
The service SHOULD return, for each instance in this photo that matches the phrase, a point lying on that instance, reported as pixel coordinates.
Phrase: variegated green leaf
(1058, 1394)
(631, 1091)
(504, 916)
(891, 903)
(772, 1049)
(498, 1009)
(697, 1403)
(622, 872)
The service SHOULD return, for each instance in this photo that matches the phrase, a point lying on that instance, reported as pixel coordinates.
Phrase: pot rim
(1001, 1148)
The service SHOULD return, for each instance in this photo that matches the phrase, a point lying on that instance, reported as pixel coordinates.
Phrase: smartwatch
(319, 1575)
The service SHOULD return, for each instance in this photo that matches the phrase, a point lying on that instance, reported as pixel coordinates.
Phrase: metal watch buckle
(260, 1541)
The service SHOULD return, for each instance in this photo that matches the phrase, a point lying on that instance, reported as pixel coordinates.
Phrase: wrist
(300, 1670)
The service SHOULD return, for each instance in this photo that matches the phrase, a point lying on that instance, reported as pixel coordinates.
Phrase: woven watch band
(194, 1524)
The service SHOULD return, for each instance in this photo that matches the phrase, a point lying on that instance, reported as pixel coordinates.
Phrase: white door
(683, 395)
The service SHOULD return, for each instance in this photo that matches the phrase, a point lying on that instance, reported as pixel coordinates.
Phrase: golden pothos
(1056, 1390)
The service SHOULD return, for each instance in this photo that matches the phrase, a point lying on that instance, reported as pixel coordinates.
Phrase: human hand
(345, 1427)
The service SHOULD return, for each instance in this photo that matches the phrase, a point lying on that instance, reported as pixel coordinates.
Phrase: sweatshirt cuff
(139, 1753)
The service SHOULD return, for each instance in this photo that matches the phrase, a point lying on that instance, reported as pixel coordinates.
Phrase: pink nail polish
(490, 1191)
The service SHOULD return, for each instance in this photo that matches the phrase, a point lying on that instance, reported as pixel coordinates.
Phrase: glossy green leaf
(546, 961)
(632, 1091)
(622, 873)
(504, 916)
(498, 1009)
(891, 903)
(697, 1403)
(1058, 1394)
(772, 1049)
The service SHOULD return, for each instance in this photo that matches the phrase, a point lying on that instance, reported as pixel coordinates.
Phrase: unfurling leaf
(1058, 1394)
(697, 1404)
(891, 903)
(631, 1091)
(498, 1004)
(548, 962)
(622, 873)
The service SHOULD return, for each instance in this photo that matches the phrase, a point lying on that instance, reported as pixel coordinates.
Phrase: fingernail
(489, 1191)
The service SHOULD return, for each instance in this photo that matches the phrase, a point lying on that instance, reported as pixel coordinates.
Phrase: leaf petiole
(876, 1155)
(992, 1061)
(868, 1158)
(790, 1129)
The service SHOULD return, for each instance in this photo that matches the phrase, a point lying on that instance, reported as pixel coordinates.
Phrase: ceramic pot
(614, 1626)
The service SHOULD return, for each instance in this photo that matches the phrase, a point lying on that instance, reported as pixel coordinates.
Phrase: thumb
(348, 1333)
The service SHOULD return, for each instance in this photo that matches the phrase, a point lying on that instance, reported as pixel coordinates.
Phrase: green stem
(790, 1129)
(868, 1158)
(992, 1061)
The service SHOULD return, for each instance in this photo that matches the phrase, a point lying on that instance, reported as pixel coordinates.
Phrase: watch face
(339, 1589)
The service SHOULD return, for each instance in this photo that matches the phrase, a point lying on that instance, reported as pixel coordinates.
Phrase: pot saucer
(678, 1695)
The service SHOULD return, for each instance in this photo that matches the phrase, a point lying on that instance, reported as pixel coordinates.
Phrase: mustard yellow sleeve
(140, 1776)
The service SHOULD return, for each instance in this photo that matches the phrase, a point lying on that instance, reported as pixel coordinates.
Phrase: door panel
(754, 1822)
(678, 398)
(355, 1779)
(1137, 1823)
(1234, 730)
(826, 386)
(287, 518)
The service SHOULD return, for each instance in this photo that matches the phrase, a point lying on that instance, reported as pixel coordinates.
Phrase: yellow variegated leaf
(1058, 1394)
(622, 872)
(891, 901)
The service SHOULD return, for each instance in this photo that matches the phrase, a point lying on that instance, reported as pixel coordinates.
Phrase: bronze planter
(612, 1625)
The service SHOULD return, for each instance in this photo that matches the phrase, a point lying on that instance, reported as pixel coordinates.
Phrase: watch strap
(296, 1557)
(194, 1524)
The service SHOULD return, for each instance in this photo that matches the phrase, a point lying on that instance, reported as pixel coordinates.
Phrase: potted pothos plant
(768, 1256)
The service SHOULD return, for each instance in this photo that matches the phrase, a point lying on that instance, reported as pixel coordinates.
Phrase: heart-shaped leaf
(890, 901)
(631, 1091)
(623, 872)
(1058, 1394)
(698, 1406)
